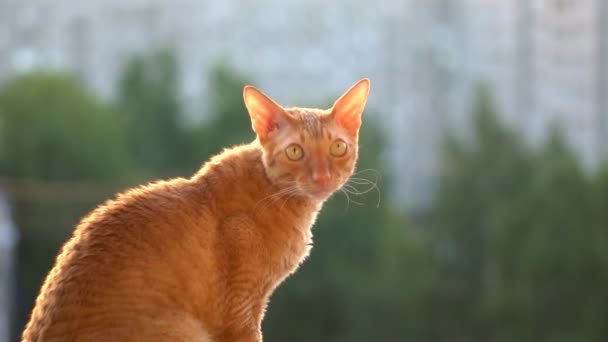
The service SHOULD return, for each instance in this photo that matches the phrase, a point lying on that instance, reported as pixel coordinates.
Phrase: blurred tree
(228, 122)
(599, 188)
(148, 98)
(482, 183)
(599, 247)
(558, 272)
(52, 130)
(515, 242)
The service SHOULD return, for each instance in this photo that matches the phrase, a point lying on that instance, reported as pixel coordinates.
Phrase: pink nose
(321, 176)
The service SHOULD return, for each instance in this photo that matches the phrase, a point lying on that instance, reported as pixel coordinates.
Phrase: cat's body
(169, 263)
(197, 259)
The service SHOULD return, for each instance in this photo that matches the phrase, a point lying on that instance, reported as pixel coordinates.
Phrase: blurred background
(486, 133)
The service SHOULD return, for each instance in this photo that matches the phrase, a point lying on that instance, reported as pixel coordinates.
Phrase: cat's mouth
(319, 193)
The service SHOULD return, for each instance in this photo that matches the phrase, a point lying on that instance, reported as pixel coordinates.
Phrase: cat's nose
(321, 176)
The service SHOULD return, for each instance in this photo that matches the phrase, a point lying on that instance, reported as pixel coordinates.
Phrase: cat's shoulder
(232, 162)
(142, 201)
(243, 152)
(160, 190)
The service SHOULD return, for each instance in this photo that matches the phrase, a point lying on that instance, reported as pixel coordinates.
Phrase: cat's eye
(338, 148)
(294, 152)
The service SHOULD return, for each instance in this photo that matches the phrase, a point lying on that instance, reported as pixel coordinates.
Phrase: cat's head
(310, 151)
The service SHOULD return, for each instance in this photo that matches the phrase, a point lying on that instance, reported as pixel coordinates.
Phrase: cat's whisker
(290, 193)
(274, 197)
(281, 195)
(287, 198)
(355, 191)
(284, 194)
(376, 172)
(358, 180)
(364, 190)
(278, 193)
(268, 198)
(348, 199)
(352, 192)
(362, 181)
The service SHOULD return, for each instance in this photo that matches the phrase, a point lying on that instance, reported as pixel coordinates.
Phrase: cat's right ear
(266, 115)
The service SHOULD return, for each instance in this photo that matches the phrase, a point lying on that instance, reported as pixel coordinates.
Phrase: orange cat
(197, 259)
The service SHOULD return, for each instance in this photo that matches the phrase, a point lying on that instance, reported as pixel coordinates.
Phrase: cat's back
(115, 258)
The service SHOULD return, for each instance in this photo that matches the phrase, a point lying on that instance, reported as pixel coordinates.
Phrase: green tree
(517, 242)
(599, 188)
(558, 263)
(148, 99)
(51, 128)
(54, 132)
(482, 182)
(227, 123)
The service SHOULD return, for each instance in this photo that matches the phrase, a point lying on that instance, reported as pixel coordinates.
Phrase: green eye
(338, 148)
(294, 152)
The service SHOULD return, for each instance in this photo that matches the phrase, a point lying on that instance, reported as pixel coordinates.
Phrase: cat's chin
(320, 195)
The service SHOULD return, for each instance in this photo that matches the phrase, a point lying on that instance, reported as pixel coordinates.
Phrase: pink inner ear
(349, 107)
(265, 123)
(348, 115)
(269, 126)
(351, 123)
(266, 114)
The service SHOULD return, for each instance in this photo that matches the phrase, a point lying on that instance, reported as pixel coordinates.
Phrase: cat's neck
(238, 178)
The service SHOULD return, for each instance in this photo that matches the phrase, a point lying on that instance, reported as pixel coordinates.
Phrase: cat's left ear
(348, 108)
(266, 115)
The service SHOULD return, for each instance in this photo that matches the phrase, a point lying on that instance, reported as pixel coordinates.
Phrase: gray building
(570, 63)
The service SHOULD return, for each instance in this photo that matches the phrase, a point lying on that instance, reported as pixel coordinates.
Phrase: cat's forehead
(310, 120)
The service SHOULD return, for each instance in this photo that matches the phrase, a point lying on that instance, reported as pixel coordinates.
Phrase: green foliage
(515, 241)
(53, 129)
(227, 122)
(148, 99)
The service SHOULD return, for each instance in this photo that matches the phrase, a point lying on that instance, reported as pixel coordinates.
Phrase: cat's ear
(348, 108)
(266, 115)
